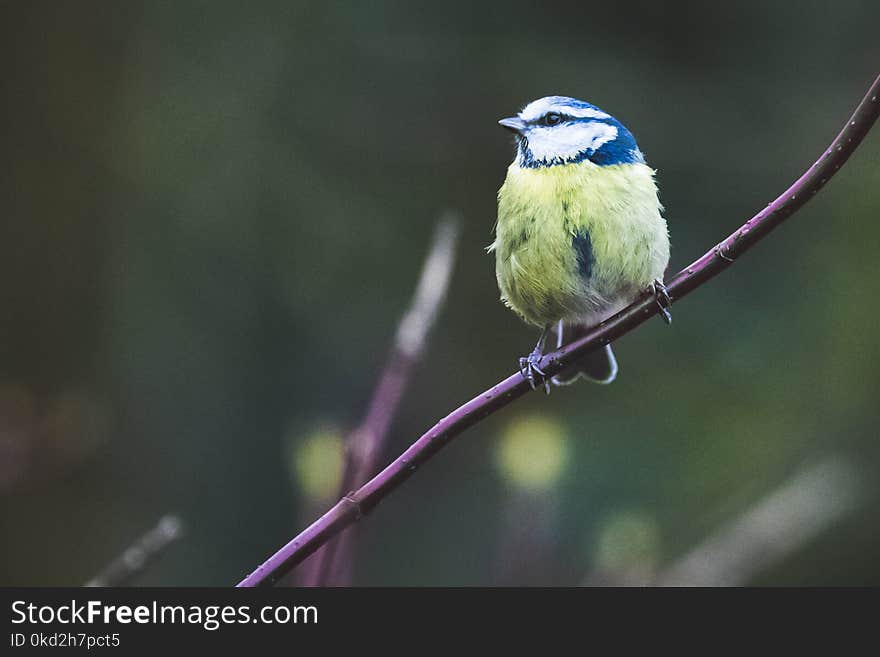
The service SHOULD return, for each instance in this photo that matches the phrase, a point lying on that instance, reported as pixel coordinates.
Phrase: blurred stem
(355, 505)
(771, 530)
(526, 549)
(140, 553)
(334, 562)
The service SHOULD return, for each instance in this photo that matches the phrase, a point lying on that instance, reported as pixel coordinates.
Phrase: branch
(364, 445)
(770, 531)
(355, 505)
(140, 553)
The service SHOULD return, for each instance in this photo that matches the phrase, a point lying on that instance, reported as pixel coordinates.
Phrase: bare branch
(353, 506)
(364, 445)
(137, 556)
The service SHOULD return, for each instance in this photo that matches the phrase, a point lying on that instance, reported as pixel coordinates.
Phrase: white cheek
(565, 142)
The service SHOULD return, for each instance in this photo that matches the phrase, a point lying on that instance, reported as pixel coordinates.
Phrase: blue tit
(580, 232)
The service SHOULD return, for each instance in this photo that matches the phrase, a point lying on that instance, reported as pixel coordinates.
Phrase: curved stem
(352, 507)
(334, 562)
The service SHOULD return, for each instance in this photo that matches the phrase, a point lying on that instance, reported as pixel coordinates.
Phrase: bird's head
(561, 130)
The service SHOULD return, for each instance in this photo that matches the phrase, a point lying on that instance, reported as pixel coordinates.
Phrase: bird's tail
(599, 366)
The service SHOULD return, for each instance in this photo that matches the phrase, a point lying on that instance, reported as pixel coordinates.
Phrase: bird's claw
(664, 301)
(529, 366)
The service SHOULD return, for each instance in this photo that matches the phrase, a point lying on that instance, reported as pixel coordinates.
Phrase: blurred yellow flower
(532, 451)
(628, 541)
(316, 462)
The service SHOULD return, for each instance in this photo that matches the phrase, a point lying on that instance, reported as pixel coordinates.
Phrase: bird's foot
(530, 368)
(664, 301)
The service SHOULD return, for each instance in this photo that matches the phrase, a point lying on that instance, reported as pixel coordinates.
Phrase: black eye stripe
(551, 119)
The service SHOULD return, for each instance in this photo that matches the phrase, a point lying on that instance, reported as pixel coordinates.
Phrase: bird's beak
(514, 124)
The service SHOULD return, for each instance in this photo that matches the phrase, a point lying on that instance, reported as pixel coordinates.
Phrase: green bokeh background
(213, 214)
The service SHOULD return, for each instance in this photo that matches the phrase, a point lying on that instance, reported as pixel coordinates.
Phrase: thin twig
(352, 507)
(365, 444)
(138, 555)
(770, 531)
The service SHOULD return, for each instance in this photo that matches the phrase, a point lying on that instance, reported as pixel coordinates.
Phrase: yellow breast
(573, 240)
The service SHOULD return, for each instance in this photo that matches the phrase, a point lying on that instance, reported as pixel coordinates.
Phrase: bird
(580, 231)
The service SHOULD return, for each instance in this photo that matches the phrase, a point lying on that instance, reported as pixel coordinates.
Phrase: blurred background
(214, 214)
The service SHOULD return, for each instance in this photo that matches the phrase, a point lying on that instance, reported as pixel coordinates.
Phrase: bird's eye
(552, 118)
